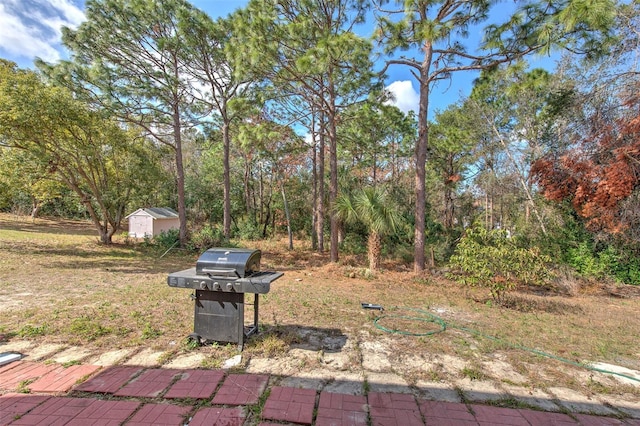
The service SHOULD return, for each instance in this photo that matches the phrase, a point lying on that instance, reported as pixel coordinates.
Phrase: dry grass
(58, 285)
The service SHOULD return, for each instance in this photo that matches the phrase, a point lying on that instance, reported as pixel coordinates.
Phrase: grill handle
(222, 272)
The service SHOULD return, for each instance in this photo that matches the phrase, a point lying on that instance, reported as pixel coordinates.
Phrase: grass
(57, 285)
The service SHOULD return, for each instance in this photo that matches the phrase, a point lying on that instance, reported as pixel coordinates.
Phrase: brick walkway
(156, 396)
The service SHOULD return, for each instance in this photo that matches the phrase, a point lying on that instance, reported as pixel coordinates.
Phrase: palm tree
(375, 209)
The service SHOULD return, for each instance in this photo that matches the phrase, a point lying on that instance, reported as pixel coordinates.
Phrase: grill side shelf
(257, 283)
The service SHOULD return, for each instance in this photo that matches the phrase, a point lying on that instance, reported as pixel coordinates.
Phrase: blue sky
(31, 28)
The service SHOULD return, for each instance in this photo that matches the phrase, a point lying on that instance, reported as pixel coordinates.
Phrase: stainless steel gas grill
(220, 279)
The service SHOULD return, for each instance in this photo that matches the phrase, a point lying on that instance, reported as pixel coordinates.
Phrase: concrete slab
(303, 382)
(147, 357)
(387, 382)
(44, 351)
(193, 360)
(622, 374)
(110, 358)
(437, 391)
(576, 402)
(532, 397)
(480, 390)
(345, 382)
(71, 354)
(626, 403)
(21, 346)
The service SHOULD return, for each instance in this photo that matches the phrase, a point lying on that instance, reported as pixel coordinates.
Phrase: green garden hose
(425, 316)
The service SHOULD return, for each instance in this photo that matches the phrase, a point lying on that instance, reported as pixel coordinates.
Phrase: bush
(167, 239)
(491, 259)
(607, 263)
(249, 230)
(207, 237)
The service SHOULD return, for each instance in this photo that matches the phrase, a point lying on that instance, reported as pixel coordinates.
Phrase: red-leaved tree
(600, 173)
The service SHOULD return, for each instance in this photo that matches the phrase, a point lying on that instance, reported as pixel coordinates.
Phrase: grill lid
(228, 262)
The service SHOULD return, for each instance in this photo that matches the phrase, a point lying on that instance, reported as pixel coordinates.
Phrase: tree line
(275, 119)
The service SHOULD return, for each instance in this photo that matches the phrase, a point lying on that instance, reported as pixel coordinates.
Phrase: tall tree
(208, 46)
(94, 157)
(595, 164)
(453, 140)
(308, 49)
(127, 56)
(437, 32)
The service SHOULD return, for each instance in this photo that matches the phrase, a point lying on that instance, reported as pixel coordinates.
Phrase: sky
(31, 28)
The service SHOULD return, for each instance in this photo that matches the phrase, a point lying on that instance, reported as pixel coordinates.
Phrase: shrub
(491, 259)
(207, 237)
(167, 239)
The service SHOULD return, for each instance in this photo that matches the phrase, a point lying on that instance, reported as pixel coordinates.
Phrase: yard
(57, 285)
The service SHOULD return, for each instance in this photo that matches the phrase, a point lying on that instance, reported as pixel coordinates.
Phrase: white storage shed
(152, 221)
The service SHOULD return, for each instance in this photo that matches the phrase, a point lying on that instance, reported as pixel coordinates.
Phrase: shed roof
(156, 212)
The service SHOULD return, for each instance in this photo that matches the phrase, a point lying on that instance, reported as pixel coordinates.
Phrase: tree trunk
(226, 216)
(314, 183)
(421, 160)
(320, 217)
(375, 250)
(287, 215)
(333, 171)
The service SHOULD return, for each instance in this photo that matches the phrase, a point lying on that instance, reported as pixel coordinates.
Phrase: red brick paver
(11, 375)
(61, 379)
(149, 384)
(160, 415)
(55, 411)
(290, 405)
(544, 418)
(487, 415)
(587, 420)
(109, 380)
(336, 409)
(447, 413)
(241, 389)
(218, 416)
(394, 409)
(104, 413)
(14, 405)
(199, 384)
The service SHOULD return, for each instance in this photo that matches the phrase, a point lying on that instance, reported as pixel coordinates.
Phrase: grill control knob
(229, 286)
(203, 285)
(216, 286)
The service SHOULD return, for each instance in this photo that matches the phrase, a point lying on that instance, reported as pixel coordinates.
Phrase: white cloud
(32, 29)
(404, 96)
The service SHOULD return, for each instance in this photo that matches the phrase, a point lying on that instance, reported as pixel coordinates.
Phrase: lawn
(57, 284)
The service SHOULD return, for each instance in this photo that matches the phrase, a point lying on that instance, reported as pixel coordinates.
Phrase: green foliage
(607, 263)
(206, 237)
(88, 328)
(490, 259)
(249, 230)
(166, 239)
(29, 330)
